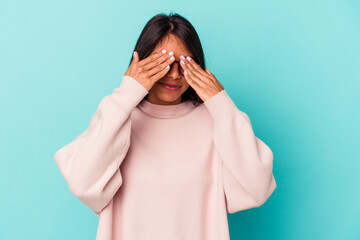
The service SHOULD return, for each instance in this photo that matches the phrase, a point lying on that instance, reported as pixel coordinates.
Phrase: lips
(171, 85)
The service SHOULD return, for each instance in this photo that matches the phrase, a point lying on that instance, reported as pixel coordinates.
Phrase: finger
(215, 80)
(151, 58)
(205, 76)
(161, 66)
(136, 57)
(159, 61)
(160, 74)
(195, 76)
(195, 67)
(191, 81)
(186, 66)
(211, 76)
(133, 61)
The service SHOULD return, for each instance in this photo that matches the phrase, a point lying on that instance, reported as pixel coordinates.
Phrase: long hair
(160, 26)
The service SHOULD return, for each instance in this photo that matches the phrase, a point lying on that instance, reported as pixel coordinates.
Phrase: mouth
(171, 87)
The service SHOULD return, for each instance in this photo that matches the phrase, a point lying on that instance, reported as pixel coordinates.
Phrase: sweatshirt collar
(166, 111)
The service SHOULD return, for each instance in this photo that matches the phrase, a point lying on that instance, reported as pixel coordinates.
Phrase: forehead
(173, 43)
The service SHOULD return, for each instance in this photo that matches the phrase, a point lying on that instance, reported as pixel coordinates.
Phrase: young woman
(168, 154)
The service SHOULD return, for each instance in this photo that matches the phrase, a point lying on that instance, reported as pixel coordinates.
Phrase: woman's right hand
(151, 69)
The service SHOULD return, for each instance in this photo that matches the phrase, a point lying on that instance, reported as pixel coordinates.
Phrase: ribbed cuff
(129, 94)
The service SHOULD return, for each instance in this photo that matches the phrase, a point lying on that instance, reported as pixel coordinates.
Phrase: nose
(174, 71)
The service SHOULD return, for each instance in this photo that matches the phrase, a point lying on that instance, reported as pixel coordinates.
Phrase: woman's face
(159, 94)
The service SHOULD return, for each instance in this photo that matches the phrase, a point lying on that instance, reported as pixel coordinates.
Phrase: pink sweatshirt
(166, 172)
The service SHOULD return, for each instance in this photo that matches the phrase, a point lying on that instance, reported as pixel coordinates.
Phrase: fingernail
(183, 63)
(186, 73)
(172, 58)
(171, 53)
(134, 53)
(182, 57)
(188, 58)
(164, 51)
(167, 66)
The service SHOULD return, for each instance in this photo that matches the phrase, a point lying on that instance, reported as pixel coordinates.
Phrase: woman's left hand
(203, 82)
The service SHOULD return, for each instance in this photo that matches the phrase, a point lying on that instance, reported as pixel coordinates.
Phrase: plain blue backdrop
(292, 66)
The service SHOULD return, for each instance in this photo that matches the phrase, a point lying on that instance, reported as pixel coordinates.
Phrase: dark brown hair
(160, 26)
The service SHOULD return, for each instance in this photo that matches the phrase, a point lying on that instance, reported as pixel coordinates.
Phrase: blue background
(292, 66)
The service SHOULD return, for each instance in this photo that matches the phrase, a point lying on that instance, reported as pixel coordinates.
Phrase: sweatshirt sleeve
(247, 162)
(90, 163)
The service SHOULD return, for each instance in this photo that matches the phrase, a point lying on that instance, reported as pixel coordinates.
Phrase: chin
(168, 98)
